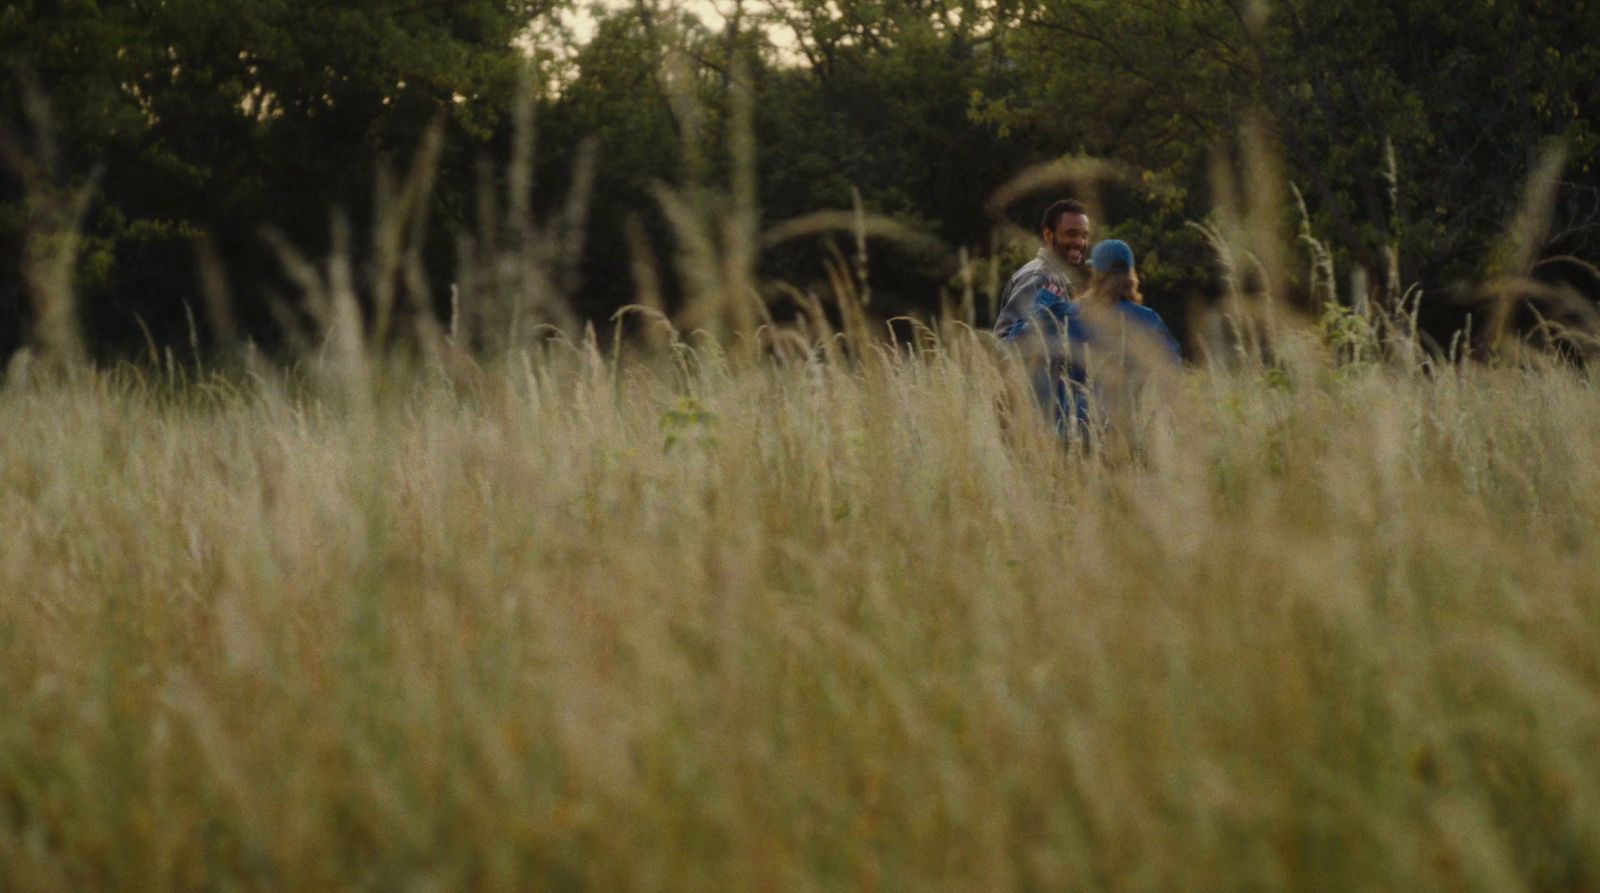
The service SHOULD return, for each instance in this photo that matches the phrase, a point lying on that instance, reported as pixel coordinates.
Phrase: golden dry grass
(717, 624)
(843, 617)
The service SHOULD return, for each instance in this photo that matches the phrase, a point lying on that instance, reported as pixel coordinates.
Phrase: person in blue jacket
(1089, 358)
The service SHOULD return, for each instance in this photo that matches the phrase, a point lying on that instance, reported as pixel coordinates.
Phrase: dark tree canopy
(224, 116)
(1409, 129)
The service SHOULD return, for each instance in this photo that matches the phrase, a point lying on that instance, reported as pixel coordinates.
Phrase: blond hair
(1109, 288)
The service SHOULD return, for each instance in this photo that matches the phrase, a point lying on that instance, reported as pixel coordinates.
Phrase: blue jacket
(1071, 368)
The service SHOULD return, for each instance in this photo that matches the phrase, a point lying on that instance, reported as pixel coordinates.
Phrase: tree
(218, 117)
(1410, 128)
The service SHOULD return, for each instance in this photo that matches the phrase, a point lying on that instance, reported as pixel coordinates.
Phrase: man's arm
(1017, 298)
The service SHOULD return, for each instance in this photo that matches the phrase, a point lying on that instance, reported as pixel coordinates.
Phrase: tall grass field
(570, 623)
(810, 606)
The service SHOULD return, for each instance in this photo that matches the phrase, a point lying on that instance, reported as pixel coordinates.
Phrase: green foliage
(224, 116)
(1412, 125)
(1348, 332)
(1409, 129)
(688, 421)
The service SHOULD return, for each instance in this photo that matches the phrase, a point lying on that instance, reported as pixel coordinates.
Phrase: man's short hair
(1058, 209)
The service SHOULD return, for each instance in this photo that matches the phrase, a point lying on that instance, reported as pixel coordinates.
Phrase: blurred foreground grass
(801, 625)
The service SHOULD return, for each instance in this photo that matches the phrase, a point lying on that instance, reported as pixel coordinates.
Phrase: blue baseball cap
(1111, 256)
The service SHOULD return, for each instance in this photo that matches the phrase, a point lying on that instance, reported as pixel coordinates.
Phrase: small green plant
(688, 422)
(1348, 332)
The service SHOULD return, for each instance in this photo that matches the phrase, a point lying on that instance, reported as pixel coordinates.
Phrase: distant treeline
(1409, 129)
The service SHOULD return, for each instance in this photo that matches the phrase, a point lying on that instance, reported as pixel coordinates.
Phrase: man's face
(1070, 239)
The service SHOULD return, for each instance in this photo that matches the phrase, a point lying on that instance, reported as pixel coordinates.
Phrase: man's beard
(1064, 256)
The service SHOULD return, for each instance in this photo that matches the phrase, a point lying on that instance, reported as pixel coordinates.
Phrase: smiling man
(1065, 234)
